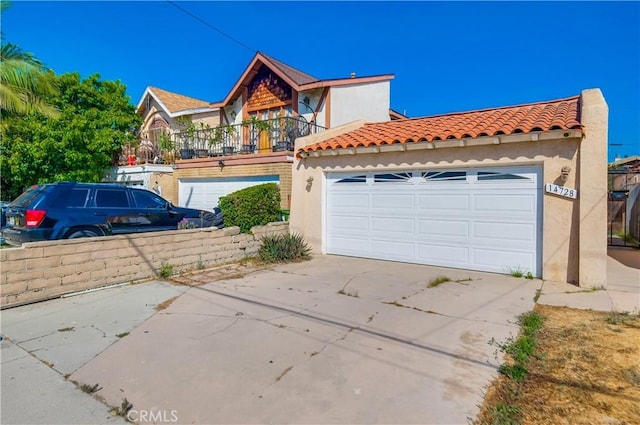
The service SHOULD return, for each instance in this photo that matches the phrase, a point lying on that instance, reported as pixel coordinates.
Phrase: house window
(154, 134)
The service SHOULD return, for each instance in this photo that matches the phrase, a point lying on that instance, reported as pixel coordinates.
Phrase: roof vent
(353, 75)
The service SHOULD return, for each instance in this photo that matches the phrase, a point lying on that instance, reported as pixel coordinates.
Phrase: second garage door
(204, 193)
(480, 219)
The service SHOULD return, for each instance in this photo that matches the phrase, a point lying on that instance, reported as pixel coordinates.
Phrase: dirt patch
(163, 305)
(585, 370)
(236, 270)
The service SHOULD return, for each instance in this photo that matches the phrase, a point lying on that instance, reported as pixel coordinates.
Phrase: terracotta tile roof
(296, 75)
(176, 102)
(542, 116)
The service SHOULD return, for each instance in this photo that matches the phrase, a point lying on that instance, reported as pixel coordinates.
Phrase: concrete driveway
(285, 346)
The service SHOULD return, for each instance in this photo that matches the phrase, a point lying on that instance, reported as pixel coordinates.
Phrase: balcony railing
(252, 137)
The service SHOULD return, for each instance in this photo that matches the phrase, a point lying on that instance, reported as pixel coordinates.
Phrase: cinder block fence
(43, 270)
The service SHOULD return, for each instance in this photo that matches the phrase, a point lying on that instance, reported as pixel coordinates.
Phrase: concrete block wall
(43, 270)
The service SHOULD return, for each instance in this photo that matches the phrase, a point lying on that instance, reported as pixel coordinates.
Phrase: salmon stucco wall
(592, 180)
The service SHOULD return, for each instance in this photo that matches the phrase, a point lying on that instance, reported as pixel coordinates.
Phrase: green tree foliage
(94, 123)
(252, 206)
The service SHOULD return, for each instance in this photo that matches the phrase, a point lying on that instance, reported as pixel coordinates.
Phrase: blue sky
(446, 56)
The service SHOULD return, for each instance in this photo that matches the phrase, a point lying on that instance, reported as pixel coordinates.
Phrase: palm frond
(24, 88)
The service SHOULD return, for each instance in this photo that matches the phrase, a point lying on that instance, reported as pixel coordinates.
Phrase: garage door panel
(349, 223)
(398, 201)
(441, 202)
(439, 228)
(512, 203)
(392, 249)
(350, 200)
(522, 232)
(502, 261)
(349, 245)
(442, 254)
(392, 225)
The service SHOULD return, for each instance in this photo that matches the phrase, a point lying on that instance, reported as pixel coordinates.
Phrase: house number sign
(567, 192)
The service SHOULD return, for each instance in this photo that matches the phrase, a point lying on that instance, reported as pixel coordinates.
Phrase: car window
(75, 198)
(28, 196)
(144, 199)
(112, 198)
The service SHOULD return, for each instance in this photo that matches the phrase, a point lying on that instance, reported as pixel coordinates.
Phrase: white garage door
(480, 219)
(204, 193)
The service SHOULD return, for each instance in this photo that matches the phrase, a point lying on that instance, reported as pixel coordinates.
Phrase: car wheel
(83, 233)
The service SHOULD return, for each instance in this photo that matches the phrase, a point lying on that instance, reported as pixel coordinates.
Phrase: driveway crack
(34, 338)
(397, 304)
(226, 328)
(414, 294)
(352, 278)
(104, 334)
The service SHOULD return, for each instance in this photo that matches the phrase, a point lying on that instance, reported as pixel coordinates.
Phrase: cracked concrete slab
(54, 338)
(284, 346)
(33, 393)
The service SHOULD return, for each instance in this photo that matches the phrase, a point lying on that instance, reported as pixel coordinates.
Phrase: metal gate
(617, 216)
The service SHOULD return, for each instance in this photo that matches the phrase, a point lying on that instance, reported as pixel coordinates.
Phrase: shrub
(283, 248)
(165, 271)
(252, 206)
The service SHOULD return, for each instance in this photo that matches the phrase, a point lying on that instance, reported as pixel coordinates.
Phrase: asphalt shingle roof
(296, 75)
(176, 102)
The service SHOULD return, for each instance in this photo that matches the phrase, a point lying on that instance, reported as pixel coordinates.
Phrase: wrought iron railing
(252, 137)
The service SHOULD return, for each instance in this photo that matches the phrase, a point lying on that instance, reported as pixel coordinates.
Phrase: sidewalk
(622, 293)
(45, 342)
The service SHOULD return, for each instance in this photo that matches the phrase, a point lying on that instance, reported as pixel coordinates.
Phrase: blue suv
(70, 210)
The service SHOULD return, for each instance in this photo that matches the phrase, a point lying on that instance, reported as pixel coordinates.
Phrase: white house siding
(137, 175)
(369, 102)
(314, 98)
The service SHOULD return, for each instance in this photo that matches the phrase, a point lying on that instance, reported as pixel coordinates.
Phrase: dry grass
(585, 370)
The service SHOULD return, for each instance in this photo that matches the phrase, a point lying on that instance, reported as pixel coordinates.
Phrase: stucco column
(592, 172)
